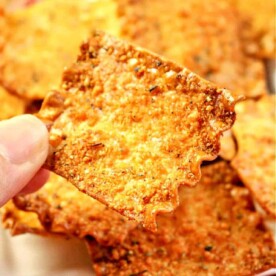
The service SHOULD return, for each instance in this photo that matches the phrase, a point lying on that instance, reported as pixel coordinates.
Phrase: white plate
(31, 255)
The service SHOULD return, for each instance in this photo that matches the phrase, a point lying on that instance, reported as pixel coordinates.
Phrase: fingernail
(23, 150)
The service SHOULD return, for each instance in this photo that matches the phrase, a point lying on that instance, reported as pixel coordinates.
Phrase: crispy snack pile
(20, 222)
(214, 231)
(129, 125)
(255, 160)
(41, 40)
(260, 26)
(204, 36)
(61, 209)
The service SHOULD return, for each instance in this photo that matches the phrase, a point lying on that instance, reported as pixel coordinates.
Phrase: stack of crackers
(161, 129)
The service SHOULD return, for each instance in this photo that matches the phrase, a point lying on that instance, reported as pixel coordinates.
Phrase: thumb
(23, 150)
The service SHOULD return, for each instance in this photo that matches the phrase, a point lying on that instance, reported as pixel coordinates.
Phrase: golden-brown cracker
(255, 160)
(228, 146)
(204, 36)
(44, 38)
(260, 27)
(20, 222)
(62, 209)
(214, 231)
(129, 127)
(10, 105)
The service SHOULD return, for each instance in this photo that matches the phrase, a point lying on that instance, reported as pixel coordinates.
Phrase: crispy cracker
(210, 43)
(228, 147)
(42, 39)
(10, 105)
(260, 27)
(255, 161)
(62, 209)
(19, 222)
(214, 231)
(129, 127)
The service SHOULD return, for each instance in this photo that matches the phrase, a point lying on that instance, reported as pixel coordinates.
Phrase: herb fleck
(161, 251)
(197, 58)
(35, 77)
(97, 145)
(158, 63)
(92, 55)
(208, 247)
(153, 88)
(148, 254)
(138, 273)
(134, 242)
(239, 216)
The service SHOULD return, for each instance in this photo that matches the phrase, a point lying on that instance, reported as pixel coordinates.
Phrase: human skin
(23, 150)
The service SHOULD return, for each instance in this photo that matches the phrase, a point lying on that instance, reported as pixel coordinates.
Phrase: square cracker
(37, 42)
(255, 160)
(214, 231)
(129, 127)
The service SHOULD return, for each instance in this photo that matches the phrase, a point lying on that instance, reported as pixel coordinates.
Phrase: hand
(23, 150)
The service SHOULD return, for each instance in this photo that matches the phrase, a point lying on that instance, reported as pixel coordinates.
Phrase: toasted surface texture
(10, 105)
(62, 209)
(210, 43)
(255, 160)
(44, 38)
(20, 222)
(128, 127)
(214, 231)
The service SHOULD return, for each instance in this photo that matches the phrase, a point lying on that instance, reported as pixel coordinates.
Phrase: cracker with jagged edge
(39, 41)
(209, 43)
(10, 105)
(255, 160)
(128, 127)
(214, 231)
(62, 209)
(20, 222)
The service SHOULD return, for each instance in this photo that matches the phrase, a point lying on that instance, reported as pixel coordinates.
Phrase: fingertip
(36, 182)
(24, 148)
(23, 138)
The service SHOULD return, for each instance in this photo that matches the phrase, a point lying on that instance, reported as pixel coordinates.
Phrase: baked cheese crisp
(128, 127)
